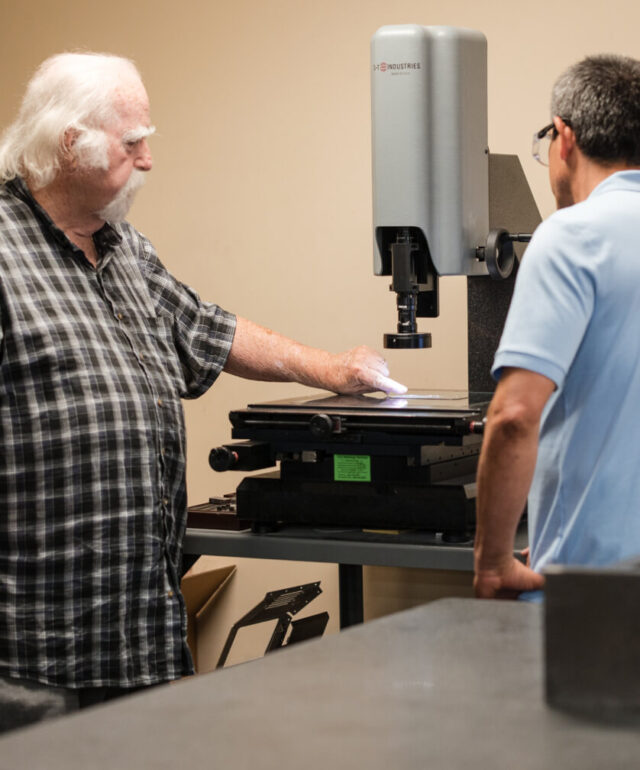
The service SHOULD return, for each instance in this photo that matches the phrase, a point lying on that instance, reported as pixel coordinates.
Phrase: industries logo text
(400, 67)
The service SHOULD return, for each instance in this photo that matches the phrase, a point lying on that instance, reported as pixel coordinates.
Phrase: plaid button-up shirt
(93, 364)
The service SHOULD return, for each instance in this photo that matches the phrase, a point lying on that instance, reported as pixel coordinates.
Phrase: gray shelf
(340, 547)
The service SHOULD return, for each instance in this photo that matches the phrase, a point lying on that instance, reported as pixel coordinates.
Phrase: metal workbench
(453, 685)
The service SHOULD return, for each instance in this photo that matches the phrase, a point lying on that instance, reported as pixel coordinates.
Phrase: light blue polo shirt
(575, 318)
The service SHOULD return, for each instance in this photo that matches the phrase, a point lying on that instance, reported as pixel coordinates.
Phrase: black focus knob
(222, 459)
(321, 425)
(499, 254)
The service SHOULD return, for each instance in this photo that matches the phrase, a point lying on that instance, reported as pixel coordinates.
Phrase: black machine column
(512, 207)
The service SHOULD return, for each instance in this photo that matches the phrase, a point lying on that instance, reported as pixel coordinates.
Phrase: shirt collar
(105, 238)
(619, 180)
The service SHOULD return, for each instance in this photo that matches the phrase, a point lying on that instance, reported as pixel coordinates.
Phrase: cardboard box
(201, 589)
(252, 579)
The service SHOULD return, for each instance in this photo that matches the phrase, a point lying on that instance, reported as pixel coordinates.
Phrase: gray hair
(600, 98)
(69, 92)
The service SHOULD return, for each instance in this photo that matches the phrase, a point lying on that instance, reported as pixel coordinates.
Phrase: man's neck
(67, 210)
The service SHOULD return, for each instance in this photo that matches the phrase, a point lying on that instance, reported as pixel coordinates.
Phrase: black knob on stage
(222, 459)
(321, 425)
(478, 426)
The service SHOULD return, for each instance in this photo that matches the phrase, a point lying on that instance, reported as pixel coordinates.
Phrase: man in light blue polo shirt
(563, 427)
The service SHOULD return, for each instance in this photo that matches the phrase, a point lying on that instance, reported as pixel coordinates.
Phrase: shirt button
(160, 402)
(165, 501)
(119, 316)
(170, 594)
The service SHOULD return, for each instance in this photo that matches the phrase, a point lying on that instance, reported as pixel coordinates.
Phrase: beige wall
(260, 197)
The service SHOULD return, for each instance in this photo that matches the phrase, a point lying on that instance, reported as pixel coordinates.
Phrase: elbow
(514, 422)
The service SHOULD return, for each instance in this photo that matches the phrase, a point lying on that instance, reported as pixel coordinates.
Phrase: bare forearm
(258, 353)
(505, 471)
(506, 467)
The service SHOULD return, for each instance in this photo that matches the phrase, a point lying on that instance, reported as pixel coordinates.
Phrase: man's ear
(68, 156)
(566, 137)
(67, 143)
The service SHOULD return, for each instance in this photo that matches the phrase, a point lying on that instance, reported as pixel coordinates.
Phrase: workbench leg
(350, 589)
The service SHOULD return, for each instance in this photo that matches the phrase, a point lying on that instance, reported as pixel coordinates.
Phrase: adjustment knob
(499, 254)
(321, 425)
(222, 459)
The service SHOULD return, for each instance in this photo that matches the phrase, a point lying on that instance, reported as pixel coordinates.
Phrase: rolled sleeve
(511, 359)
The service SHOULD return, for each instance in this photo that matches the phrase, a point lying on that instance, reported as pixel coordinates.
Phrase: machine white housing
(430, 155)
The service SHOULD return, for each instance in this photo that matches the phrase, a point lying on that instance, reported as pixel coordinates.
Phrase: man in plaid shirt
(98, 345)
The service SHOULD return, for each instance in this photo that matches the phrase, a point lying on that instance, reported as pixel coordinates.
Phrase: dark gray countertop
(451, 685)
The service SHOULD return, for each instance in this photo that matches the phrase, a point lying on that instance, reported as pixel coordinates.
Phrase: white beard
(117, 210)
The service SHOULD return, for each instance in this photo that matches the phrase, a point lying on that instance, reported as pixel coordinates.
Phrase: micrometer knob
(321, 425)
(222, 459)
(499, 255)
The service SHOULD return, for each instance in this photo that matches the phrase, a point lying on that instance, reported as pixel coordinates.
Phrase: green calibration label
(351, 468)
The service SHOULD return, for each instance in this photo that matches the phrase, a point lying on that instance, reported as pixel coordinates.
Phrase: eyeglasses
(542, 142)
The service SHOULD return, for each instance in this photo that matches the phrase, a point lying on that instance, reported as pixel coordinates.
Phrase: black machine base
(447, 507)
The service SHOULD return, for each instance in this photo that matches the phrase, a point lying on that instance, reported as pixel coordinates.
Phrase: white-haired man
(563, 422)
(98, 344)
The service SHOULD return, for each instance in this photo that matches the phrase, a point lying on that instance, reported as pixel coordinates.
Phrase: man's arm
(258, 353)
(505, 470)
